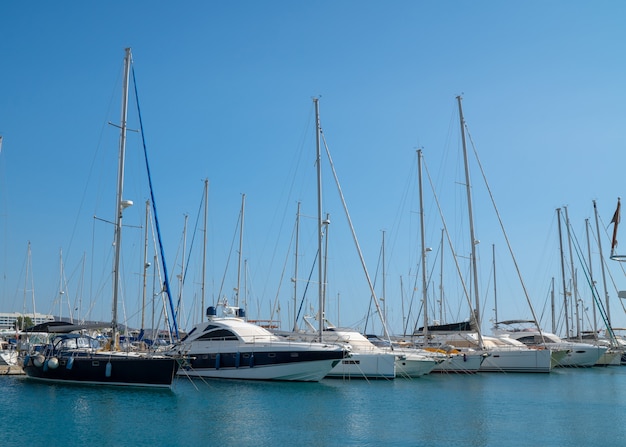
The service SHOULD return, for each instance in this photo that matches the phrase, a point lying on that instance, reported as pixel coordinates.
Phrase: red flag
(615, 221)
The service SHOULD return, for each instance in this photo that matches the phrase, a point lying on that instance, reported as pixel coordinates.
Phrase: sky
(225, 92)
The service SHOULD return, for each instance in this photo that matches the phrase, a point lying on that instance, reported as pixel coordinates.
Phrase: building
(7, 320)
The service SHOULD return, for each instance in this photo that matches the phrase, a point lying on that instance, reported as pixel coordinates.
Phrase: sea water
(568, 407)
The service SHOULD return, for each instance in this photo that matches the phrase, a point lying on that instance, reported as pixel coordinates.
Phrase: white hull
(517, 360)
(504, 354)
(366, 361)
(365, 366)
(610, 358)
(580, 354)
(410, 364)
(414, 362)
(460, 364)
(313, 371)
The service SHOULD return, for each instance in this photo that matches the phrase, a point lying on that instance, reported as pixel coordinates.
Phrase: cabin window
(187, 336)
(219, 335)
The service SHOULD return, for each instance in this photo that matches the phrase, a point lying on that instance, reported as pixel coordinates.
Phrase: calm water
(581, 407)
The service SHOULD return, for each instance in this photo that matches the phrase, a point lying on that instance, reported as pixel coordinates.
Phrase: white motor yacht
(229, 347)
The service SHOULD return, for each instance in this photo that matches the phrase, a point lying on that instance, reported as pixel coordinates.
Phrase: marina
(324, 224)
(573, 407)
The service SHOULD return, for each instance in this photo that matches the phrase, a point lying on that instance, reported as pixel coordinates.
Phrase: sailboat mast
(384, 297)
(558, 213)
(120, 204)
(29, 272)
(295, 272)
(146, 264)
(441, 294)
(473, 240)
(326, 224)
(206, 218)
(573, 271)
(243, 204)
(552, 307)
(181, 280)
(606, 293)
(495, 287)
(320, 223)
(424, 289)
(591, 278)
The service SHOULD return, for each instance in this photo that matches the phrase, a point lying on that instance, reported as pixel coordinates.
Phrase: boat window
(187, 336)
(66, 343)
(218, 334)
(83, 343)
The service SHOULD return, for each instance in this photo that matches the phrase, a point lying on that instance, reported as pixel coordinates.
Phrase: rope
(173, 329)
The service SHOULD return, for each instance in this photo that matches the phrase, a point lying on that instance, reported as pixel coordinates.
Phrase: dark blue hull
(98, 369)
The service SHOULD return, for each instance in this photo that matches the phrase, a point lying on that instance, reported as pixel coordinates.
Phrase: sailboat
(576, 352)
(504, 353)
(366, 361)
(76, 358)
(467, 362)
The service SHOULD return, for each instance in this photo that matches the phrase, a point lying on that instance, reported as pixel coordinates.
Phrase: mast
(384, 297)
(404, 322)
(120, 203)
(473, 240)
(571, 258)
(182, 268)
(424, 289)
(495, 287)
(29, 272)
(206, 218)
(441, 294)
(326, 224)
(558, 213)
(146, 265)
(552, 307)
(606, 292)
(320, 223)
(62, 289)
(591, 278)
(295, 272)
(243, 204)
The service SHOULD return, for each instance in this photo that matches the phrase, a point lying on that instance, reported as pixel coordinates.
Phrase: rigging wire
(174, 329)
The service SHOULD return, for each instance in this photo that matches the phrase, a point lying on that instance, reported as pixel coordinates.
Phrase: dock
(11, 370)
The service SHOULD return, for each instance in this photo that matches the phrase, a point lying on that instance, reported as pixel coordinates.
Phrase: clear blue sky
(225, 91)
